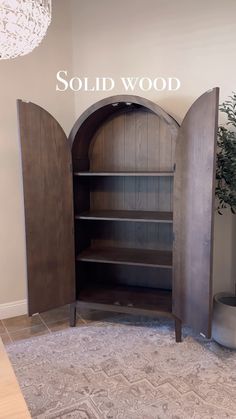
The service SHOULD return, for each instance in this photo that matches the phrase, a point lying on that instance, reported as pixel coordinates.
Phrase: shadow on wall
(234, 250)
(224, 264)
(224, 254)
(175, 105)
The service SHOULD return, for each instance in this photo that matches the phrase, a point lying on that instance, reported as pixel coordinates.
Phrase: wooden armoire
(119, 217)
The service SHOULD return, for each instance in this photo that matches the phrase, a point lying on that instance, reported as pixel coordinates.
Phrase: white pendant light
(23, 25)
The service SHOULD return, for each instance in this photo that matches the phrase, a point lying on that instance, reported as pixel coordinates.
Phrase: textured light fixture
(23, 24)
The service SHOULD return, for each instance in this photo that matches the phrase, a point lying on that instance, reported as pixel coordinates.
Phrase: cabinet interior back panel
(125, 275)
(132, 141)
(131, 193)
(128, 235)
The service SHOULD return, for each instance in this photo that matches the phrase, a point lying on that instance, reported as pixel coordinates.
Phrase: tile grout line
(22, 328)
(45, 324)
(81, 318)
(8, 333)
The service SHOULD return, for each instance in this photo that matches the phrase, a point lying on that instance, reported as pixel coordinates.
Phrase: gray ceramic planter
(224, 320)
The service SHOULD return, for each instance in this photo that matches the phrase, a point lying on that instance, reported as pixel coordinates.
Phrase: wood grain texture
(149, 311)
(131, 275)
(129, 297)
(12, 403)
(193, 213)
(116, 215)
(131, 174)
(49, 217)
(133, 140)
(89, 122)
(135, 234)
(124, 155)
(137, 141)
(127, 256)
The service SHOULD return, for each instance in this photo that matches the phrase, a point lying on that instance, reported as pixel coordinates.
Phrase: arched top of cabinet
(95, 115)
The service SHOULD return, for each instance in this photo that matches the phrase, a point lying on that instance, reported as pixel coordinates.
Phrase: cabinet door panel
(194, 188)
(48, 199)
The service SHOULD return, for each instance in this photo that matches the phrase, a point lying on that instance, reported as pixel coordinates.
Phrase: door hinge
(174, 167)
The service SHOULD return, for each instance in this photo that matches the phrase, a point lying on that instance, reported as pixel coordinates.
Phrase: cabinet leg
(178, 330)
(72, 314)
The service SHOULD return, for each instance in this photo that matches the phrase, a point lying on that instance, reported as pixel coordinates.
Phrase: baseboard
(13, 309)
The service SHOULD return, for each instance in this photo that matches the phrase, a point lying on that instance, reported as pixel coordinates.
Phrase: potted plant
(224, 308)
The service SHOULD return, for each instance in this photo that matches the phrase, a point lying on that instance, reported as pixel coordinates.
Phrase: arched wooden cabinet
(120, 217)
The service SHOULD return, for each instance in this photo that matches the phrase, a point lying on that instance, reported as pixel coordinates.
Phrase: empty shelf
(127, 256)
(126, 298)
(140, 216)
(166, 173)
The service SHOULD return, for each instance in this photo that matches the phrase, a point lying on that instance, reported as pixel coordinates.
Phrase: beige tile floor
(23, 327)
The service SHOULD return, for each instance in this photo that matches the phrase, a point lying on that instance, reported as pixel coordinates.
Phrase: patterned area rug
(126, 370)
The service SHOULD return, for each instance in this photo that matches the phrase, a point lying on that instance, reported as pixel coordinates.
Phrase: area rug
(131, 369)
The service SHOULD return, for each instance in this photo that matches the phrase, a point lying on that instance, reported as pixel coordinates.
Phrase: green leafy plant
(226, 158)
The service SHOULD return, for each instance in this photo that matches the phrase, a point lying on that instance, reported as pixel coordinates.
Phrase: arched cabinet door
(48, 198)
(194, 187)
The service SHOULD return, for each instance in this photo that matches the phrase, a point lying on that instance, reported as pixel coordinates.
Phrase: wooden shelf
(138, 216)
(127, 256)
(124, 174)
(126, 299)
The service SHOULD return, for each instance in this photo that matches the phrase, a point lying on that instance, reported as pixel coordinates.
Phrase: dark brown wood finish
(132, 174)
(90, 121)
(73, 314)
(125, 215)
(193, 213)
(130, 298)
(131, 159)
(48, 198)
(126, 256)
(124, 156)
(178, 330)
(128, 275)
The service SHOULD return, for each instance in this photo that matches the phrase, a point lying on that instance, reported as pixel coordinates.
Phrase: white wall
(31, 78)
(192, 40)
